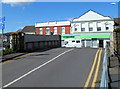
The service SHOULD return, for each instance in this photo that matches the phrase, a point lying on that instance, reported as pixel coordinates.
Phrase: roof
(28, 29)
(11, 33)
(91, 15)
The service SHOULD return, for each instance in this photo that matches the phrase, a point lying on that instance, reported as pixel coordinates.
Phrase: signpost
(2, 27)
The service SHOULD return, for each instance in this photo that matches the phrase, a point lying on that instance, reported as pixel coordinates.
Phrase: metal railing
(104, 79)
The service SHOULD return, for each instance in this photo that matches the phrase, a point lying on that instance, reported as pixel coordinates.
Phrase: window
(41, 31)
(75, 29)
(90, 28)
(47, 31)
(107, 28)
(73, 40)
(55, 30)
(77, 41)
(82, 29)
(62, 30)
(98, 28)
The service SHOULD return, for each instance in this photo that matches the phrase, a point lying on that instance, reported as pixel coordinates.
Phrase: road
(59, 67)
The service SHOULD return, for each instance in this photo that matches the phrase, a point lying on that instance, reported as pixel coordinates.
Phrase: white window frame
(62, 30)
(47, 31)
(40, 31)
(55, 30)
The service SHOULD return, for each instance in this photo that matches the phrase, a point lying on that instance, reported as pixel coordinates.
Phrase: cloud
(17, 2)
(70, 19)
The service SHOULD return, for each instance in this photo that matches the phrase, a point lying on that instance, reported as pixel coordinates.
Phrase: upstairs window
(75, 29)
(62, 30)
(82, 29)
(47, 31)
(98, 28)
(107, 28)
(41, 31)
(90, 28)
(55, 30)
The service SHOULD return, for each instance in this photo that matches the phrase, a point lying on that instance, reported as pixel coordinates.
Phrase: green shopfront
(93, 40)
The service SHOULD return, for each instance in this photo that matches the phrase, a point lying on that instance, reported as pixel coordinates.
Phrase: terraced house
(89, 30)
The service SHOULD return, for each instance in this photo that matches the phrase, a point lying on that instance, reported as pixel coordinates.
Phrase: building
(53, 28)
(28, 30)
(89, 30)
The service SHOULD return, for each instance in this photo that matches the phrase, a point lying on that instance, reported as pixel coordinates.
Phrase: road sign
(2, 26)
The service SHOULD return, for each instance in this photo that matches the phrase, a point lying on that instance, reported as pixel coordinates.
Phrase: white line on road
(36, 68)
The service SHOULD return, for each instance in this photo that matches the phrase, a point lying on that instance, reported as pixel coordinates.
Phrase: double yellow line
(97, 60)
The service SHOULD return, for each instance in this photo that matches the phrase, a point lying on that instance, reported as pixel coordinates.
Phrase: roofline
(88, 11)
(93, 20)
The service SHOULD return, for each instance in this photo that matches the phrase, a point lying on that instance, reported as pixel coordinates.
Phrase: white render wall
(96, 24)
(56, 23)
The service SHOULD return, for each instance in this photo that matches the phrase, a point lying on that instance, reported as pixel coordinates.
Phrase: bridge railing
(104, 78)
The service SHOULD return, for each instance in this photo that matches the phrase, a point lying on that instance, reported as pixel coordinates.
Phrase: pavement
(59, 67)
(11, 56)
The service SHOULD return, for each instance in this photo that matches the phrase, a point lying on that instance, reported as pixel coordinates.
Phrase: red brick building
(55, 28)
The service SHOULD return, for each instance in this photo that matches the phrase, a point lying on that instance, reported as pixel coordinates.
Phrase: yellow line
(16, 58)
(97, 69)
(92, 69)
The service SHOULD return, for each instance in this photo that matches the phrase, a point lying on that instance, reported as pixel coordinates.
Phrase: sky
(18, 15)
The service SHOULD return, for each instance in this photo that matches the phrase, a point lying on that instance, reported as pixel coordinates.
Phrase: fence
(104, 79)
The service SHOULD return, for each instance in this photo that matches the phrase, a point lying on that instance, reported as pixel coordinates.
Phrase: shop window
(73, 41)
(77, 41)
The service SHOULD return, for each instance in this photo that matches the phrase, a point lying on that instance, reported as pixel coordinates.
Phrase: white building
(89, 30)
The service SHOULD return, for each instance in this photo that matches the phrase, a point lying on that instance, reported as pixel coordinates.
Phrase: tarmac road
(59, 67)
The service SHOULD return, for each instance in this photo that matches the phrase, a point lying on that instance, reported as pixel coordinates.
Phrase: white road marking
(36, 68)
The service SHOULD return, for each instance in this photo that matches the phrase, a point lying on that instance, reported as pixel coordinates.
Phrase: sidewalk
(114, 71)
(11, 56)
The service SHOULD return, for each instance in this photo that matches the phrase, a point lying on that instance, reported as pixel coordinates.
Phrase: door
(100, 43)
(83, 43)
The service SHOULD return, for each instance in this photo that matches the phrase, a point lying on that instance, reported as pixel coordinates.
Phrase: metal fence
(104, 79)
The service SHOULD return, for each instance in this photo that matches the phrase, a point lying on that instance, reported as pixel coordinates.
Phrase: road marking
(97, 69)
(36, 68)
(16, 58)
(91, 71)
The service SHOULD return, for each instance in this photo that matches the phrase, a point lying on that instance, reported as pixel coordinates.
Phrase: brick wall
(67, 29)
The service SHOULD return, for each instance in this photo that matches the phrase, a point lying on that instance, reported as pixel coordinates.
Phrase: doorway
(101, 43)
